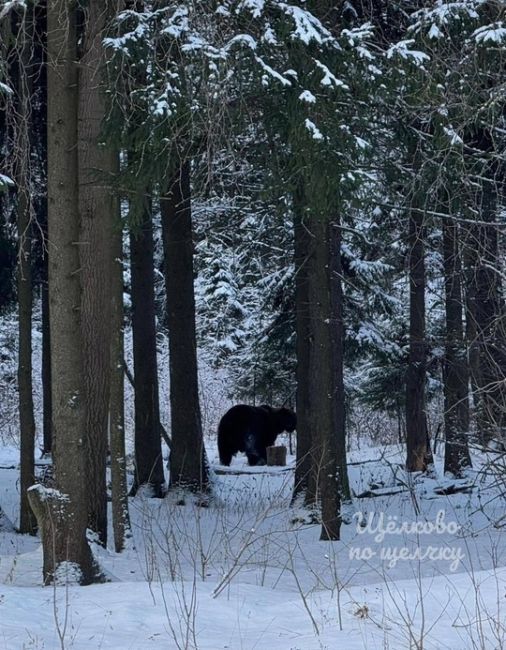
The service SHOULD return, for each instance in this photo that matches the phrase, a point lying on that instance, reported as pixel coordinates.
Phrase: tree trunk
(326, 386)
(47, 418)
(470, 261)
(66, 548)
(418, 449)
(489, 324)
(119, 488)
(96, 214)
(27, 523)
(302, 258)
(337, 342)
(23, 97)
(39, 144)
(456, 416)
(148, 448)
(486, 312)
(188, 462)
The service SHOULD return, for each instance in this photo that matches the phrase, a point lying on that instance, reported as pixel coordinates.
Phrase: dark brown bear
(251, 429)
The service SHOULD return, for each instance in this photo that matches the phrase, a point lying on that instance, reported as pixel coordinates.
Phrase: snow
(46, 493)
(313, 129)
(271, 73)
(242, 39)
(329, 78)
(137, 616)
(247, 572)
(4, 88)
(178, 23)
(5, 180)
(9, 5)
(434, 32)
(495, 33)
(307, 27)
(444, 12)
(453, 136)
(307, 96)
(361, 143)
(402, 49)
(255, 7)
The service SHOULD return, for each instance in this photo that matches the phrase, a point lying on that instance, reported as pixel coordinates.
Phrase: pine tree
(62, 514)
(119, 487)
(188, 462)
(456, 370)
(96, 164)
(148, 450)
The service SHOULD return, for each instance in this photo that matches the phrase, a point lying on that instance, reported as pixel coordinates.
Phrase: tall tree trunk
(188, 463)
(47, 407)
(302, 242)
(456, 416)
(418, 449)
(62, 515)
(96, 214)
(119, 488)
(337, 341)
(486, 312)
(39, 144)
(148, 448)
(491, 339)
(27, 522)
(23, 89)
(470, 260)
(326, 384)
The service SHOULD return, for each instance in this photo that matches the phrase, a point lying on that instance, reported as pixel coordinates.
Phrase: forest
(299, 207)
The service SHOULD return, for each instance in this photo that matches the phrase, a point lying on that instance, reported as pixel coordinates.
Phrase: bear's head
(286, 420)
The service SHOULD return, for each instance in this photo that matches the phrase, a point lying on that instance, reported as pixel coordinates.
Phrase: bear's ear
(286, 419)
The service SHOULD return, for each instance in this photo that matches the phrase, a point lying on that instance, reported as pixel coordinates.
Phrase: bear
(251, 429)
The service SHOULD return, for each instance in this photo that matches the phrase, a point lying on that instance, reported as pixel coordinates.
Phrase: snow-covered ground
(248, 572)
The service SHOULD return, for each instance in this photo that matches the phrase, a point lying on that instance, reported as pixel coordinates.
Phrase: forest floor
(249, 572)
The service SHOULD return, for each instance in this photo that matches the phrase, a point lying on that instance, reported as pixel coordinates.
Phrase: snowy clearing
(246, 573)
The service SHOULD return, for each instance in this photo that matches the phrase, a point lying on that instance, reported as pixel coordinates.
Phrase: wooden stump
(66, 556)
(276, 455)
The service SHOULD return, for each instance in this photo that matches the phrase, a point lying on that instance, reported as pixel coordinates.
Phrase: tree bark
(337, 342)
(486, 310)
(96, 214)
(473, 353)
(119, 488)
(47, 417)
(326, 378)
(491, 339)
(66, 548)
(27, 522)
(188, 462)
(148, 448)
(23, 89)
(302, 259)
(418, 449)
(456, 416)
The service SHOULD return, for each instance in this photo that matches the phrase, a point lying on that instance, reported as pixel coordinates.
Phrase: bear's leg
(225, 457)
(252, 452)
(224, 449)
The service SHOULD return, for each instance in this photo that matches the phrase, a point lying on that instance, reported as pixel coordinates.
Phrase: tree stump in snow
(276, 455)
(64, 553)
